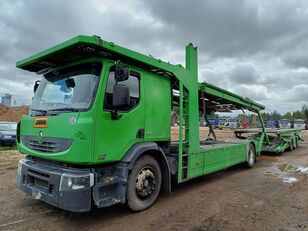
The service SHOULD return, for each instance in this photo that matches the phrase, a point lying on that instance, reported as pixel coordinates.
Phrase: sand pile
(13, 113)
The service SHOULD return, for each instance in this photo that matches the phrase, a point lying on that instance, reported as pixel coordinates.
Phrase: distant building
(7, 100)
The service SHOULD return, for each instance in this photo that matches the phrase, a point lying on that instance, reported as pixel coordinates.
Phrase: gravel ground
(271, 196)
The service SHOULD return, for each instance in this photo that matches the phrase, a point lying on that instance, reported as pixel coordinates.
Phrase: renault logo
(40, 137)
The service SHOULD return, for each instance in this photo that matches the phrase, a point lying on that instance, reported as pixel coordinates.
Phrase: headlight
(76, 181)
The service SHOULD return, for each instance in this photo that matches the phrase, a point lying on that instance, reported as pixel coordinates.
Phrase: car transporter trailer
(98, 129)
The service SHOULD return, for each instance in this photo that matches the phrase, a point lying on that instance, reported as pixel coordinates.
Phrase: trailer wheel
(144, 183)
(251, 160)
(291, 145)
(294, 142)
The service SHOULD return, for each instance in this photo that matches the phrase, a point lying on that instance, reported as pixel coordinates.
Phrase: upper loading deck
(81, 47)
(219, 99)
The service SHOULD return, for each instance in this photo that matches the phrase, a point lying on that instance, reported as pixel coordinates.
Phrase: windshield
(8, 127)
(299, 122)
(69, 89)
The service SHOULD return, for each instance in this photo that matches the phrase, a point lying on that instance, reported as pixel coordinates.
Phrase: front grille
(40, 183)
(39, 174)
(48, 145)
(38, 179)
(43, 147)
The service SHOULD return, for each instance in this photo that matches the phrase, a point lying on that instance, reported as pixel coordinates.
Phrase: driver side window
(134, 91)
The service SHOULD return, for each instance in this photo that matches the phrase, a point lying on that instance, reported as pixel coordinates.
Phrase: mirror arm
(36, 84)
(114, 114)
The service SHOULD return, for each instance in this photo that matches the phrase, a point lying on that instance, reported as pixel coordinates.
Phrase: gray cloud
(243, 74)
(230, 29)
(254, 48)
(297, 59)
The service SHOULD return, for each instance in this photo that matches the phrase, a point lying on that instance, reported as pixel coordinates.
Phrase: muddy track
(233, 199)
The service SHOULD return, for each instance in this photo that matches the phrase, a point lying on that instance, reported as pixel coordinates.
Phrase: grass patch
(6, 148)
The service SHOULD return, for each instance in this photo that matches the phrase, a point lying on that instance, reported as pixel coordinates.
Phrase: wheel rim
(145, 183)
(251, 157)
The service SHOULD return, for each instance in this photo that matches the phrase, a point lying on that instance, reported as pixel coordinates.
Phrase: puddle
(302, 170)
(286, 172)
(289, 180)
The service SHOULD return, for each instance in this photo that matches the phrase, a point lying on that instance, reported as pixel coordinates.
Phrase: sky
(258, 49)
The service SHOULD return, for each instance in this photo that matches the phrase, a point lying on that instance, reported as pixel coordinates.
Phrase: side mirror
(121, 73)
(70, 83)
(121, 97)
(36, 84)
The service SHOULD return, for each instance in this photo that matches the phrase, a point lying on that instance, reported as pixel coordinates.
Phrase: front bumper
(42, 181)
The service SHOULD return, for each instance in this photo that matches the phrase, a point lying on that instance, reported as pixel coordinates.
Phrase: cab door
(115, 136)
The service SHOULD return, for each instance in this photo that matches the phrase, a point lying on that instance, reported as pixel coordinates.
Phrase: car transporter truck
(98, 129)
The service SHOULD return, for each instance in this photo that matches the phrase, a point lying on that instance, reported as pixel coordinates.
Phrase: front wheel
(144, 183)
(251, 159)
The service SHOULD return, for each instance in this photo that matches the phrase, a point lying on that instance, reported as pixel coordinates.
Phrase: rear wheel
(144, 183)
(251, 160)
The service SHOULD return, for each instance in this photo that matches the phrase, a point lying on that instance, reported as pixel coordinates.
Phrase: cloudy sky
(258, 49)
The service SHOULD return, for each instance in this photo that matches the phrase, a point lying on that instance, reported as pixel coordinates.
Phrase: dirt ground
(271, 196)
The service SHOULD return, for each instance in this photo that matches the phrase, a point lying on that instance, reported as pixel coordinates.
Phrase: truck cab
(88, 113)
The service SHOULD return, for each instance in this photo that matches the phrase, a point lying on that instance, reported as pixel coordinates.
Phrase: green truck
(98, 129)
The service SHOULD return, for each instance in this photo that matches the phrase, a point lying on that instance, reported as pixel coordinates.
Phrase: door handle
(140, 133)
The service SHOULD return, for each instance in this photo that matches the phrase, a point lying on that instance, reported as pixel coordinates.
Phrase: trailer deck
(280, 139)
(268, 130)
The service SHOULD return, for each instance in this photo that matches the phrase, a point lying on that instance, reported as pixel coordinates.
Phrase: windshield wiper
(65, 109)
(39, 110)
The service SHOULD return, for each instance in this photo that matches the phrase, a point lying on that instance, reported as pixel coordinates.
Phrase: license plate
(7, 137)
(36, 195)
(41, 122)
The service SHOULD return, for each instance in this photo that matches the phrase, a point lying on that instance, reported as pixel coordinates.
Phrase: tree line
(298, 114)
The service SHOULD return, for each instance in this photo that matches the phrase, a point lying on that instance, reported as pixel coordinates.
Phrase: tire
(296, 143)
(291, 145)
(251, 160)
(209, 139)
(144, 183)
